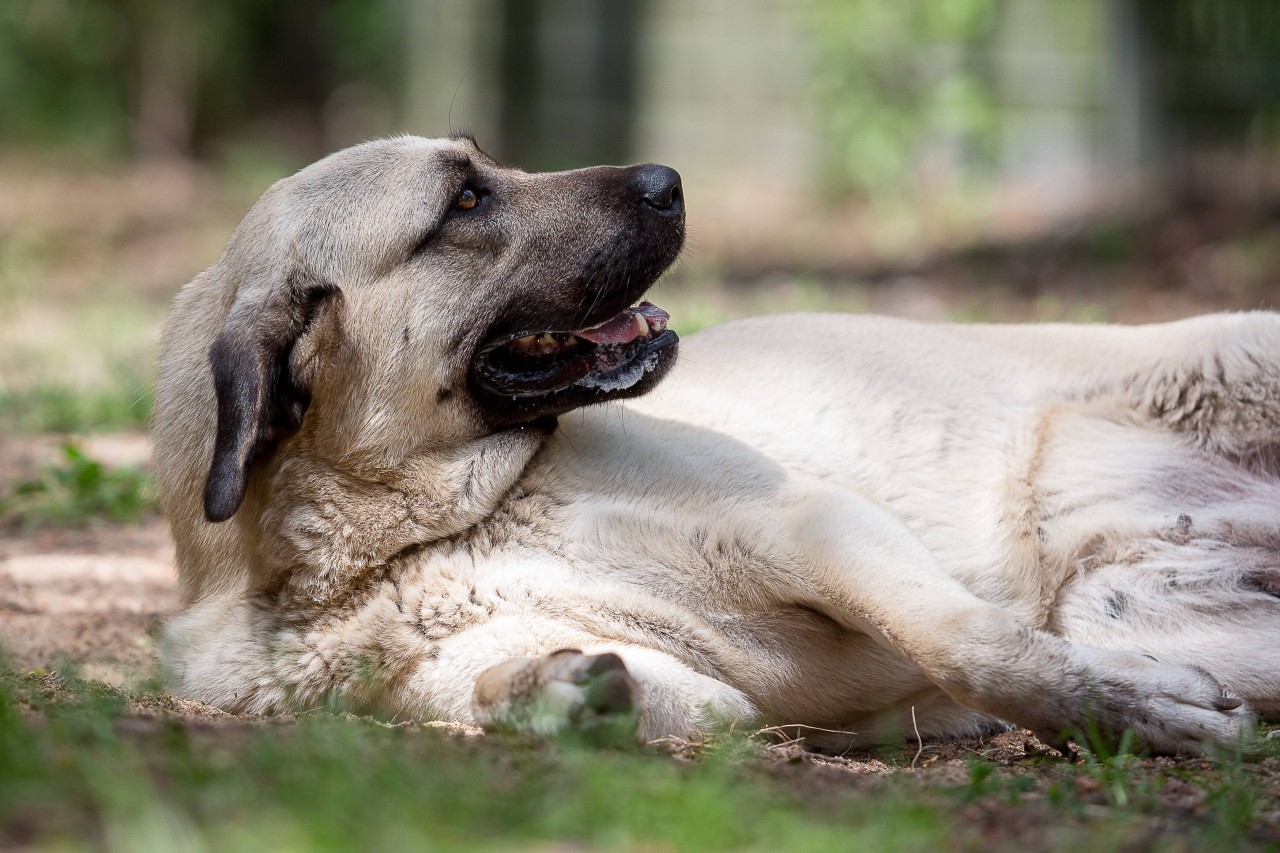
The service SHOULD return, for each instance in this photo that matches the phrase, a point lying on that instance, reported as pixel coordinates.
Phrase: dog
(424, 451)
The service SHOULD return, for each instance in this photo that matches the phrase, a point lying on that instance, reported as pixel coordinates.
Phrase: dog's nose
(660, 188)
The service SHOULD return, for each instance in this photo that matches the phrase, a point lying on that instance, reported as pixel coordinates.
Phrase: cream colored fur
(834, 521)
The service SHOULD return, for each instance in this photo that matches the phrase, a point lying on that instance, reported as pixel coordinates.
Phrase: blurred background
(1083, 160)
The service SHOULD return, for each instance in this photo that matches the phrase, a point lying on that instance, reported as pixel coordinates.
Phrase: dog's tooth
(548, 340)
(642, 325)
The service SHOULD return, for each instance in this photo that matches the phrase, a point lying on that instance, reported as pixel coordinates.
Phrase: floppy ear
(262, 396)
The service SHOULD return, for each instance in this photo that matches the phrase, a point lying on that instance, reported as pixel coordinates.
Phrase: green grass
(61, 409)
(80, 770)
(79, 491)
(76, 366)
(329, 782)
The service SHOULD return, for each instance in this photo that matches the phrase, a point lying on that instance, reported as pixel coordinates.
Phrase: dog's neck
(323, 528)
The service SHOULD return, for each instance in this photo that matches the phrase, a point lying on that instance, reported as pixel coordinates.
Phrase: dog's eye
(467, 199)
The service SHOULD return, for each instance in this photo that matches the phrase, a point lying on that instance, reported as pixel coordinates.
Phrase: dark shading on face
(586, 246)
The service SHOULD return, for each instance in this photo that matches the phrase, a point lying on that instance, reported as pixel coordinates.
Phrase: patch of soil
(93, 597)
(1017, 793)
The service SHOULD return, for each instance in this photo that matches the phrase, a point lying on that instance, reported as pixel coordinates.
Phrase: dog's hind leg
(863, 568)
(1201, 602)
(1214, 378)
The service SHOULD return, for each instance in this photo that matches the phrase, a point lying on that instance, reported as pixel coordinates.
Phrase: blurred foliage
(79, 491)
(909, 96)
(61, 409)
(1218, 67)
(99, 75)
(896, 79)
(908, 93)
(1239, 29)
(65, 68)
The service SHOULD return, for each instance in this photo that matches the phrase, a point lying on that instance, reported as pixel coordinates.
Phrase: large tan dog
(376, 446)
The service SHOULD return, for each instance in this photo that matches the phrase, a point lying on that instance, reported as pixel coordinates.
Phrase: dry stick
(782, 729)
(919, 742)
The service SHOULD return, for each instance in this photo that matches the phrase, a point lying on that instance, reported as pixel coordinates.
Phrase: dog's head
(408, 294)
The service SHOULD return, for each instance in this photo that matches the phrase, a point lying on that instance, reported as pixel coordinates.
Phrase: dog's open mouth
(612, 356)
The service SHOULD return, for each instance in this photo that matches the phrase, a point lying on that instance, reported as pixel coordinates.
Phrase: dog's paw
(553, 693)
(1170, 708)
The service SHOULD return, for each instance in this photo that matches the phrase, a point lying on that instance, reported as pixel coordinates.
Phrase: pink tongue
(626, 326)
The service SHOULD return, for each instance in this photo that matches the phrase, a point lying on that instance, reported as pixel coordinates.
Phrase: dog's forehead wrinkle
(358, 242)
(451, 161)
(378, 167)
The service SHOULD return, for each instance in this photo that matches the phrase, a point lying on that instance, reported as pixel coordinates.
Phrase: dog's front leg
(861, 566)
(649, 691)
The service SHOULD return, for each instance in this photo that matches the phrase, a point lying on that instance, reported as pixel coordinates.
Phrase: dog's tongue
(627, 326)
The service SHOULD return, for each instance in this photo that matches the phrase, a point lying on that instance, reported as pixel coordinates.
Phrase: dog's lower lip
(637, 358)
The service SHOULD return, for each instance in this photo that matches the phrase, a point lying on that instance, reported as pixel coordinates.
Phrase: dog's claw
(610, 688)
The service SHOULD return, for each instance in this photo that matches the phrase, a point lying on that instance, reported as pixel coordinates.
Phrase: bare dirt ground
(93, 597)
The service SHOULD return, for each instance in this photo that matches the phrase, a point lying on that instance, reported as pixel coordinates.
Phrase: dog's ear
(260, 364)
